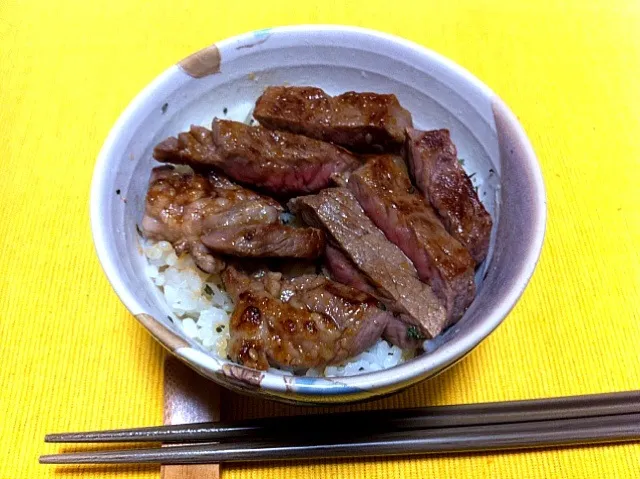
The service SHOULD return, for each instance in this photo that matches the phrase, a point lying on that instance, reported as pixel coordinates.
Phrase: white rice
(201, 306)
(196, 299)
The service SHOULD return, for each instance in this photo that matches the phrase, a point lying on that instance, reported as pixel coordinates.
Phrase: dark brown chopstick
(545, 433)
(369, 422)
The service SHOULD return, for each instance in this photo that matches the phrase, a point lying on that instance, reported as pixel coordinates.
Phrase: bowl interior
(438, 94)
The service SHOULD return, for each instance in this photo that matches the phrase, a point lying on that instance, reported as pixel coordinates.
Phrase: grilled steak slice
(433, 161)
(380, 261)
(279, 162)
(301, 324)
(194, 148)
(266, 331)
(180, 207)
(363, 122)
(266, 241)
(237, 280)
(344, 271)
(386, 194)
(399, 332)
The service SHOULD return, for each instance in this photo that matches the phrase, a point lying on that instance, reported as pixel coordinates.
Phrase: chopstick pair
(600, 418)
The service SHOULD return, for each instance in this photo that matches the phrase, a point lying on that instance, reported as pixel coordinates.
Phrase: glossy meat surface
(386, 194)
(298, 324)
(363, 122)
(266, 241)
(384, 265)
(433, 161)
(180, 207)
(281, 163)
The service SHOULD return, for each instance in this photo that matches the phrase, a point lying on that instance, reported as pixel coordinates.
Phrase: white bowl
(232, 74)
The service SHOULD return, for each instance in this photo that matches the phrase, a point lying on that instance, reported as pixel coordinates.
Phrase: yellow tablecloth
(73, 358)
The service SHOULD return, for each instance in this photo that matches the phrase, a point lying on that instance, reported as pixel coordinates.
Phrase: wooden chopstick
(371, 421)
(188, 398)
(545, 433)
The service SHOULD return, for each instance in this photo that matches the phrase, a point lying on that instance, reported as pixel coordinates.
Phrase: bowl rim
(409, 372)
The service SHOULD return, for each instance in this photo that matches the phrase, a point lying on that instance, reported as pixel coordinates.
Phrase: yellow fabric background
(73, 358)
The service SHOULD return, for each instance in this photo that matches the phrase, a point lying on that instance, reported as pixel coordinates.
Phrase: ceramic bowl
(231, 74)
